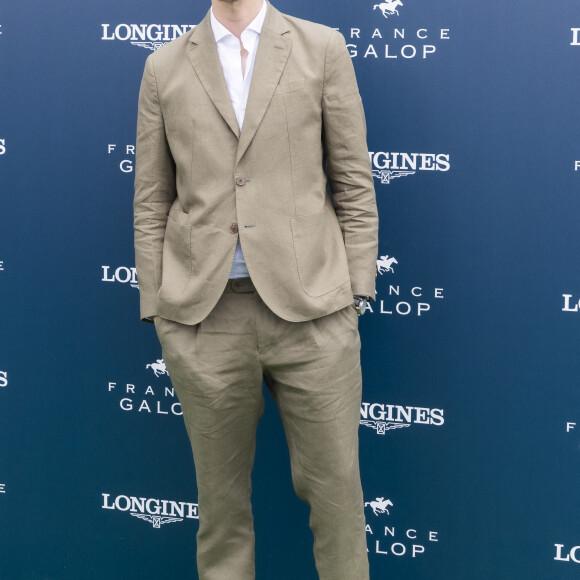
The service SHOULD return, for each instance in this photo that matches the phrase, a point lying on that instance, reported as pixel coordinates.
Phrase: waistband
(240, 285)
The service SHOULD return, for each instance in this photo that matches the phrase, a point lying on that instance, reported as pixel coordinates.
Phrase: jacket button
(234, 228)
(241, 181)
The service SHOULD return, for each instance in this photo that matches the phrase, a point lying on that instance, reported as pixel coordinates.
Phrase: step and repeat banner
(470, 422)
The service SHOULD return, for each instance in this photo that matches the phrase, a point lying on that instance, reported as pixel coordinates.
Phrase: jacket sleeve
(155, 191)
(348, 166)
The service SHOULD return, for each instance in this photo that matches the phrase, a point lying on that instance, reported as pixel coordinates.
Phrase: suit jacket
(200, 182)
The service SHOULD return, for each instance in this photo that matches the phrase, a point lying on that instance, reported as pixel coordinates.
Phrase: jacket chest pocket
(290, 87)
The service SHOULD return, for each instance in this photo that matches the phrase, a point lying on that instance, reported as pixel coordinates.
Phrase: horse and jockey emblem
(380, 505)
(389, 8)
(385, 264)
(158, 367)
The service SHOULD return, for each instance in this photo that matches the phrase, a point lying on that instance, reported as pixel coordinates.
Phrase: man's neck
(235, 15)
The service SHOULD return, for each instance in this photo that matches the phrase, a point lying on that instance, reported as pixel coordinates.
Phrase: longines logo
(389, 166)
(383, 418)
(564, 554)
(149, 36)
(154, 511)
(127, 152)
(395, 540)
(404, 43)
(575, 37)
(571, 304)
(2, 146)
(417, 300)
(3, 379)
(158, 400)
(121, 275)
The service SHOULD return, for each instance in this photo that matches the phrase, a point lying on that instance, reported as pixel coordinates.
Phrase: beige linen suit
(200, 183)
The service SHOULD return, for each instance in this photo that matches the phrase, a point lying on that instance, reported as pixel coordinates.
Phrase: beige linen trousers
(312, 370)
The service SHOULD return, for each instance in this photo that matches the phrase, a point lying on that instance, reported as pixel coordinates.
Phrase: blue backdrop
(470, 424)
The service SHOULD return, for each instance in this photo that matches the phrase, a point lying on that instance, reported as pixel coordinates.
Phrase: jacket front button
(234, 228)
(240, 180)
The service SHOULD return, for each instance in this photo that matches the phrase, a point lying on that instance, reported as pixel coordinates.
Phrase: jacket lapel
(271, 57)
(205, 60)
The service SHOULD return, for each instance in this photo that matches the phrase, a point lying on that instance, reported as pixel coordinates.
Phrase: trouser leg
(313, 372)
(215, 371)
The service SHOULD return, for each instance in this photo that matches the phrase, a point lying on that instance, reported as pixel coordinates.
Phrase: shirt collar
(220, 31)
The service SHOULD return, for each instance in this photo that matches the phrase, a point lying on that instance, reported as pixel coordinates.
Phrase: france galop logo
(385, 264)
(389, 8)
(158, 367)
(380, 505)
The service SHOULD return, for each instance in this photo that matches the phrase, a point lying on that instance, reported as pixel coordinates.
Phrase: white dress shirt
(229, 51)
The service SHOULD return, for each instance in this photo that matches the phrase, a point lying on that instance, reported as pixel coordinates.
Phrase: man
(249, 266)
